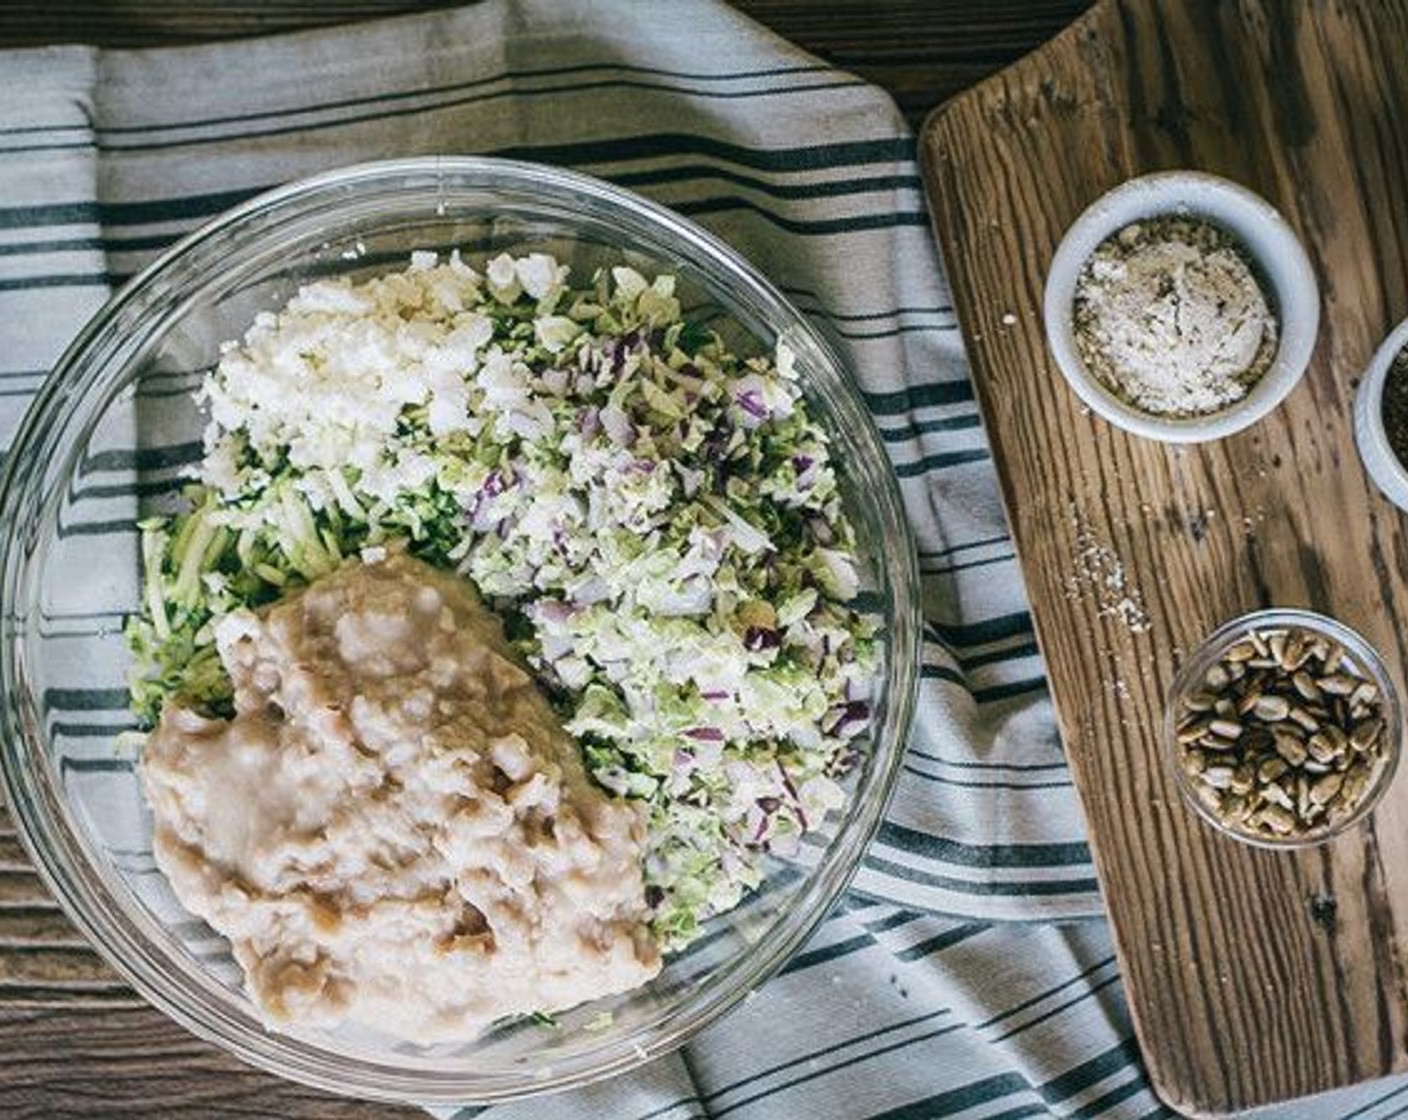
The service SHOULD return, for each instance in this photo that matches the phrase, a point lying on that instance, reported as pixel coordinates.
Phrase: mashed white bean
(394, 830)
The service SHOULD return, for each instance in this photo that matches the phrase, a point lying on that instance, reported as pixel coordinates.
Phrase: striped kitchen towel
(806, 170)
(969, 972)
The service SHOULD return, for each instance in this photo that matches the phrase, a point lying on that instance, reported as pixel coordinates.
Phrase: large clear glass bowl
(69, 570)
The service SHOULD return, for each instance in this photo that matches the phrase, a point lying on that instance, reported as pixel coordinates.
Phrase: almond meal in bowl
(1181, 307)
(1171, 317)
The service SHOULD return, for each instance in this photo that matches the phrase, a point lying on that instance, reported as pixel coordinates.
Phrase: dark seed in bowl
(1395, 405)
(1284, 737)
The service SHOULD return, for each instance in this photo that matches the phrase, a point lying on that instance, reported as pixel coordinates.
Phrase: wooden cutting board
(1254, 976)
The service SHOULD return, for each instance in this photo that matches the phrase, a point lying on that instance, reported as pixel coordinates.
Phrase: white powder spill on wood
(1099, 572)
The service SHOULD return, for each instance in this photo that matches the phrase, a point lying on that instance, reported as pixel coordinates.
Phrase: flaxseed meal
(1394, 406)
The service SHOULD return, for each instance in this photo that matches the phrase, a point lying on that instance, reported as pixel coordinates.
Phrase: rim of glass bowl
(58, 426)
(1366, 658)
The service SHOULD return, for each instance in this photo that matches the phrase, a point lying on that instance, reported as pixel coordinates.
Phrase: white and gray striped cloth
(969, 973)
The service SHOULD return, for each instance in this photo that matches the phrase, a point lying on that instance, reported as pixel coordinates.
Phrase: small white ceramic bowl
(1274, 249)
(1379, 460)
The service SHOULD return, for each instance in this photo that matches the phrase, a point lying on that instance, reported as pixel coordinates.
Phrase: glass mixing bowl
(69, 574)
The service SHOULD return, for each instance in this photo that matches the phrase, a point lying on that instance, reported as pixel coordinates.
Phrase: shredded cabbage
(656, 517)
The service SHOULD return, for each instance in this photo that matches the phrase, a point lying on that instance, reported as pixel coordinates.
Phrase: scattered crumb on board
(1098, 572)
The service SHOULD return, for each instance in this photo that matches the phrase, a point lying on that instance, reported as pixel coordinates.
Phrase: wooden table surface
(1253, 976)
(71, 1034)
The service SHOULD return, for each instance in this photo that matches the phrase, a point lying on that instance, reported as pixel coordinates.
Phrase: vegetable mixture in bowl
(514, 611)
(655, 517)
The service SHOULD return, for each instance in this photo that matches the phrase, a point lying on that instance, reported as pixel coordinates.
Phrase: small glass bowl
(1360, 657)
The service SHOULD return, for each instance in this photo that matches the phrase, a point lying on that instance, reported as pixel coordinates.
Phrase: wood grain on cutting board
(1254, 976)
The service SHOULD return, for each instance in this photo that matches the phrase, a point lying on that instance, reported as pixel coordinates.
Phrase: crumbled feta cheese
(502, 275)
(541, 276)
